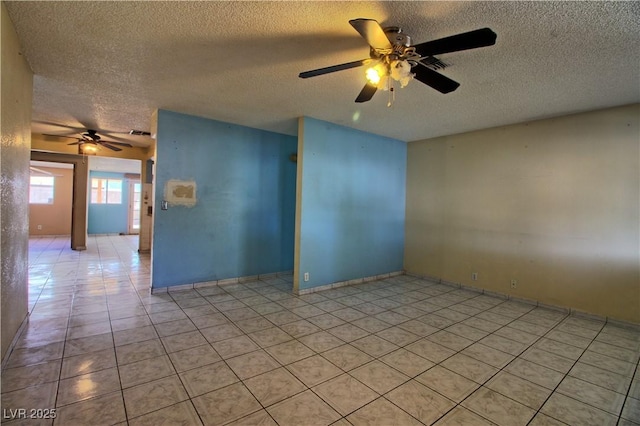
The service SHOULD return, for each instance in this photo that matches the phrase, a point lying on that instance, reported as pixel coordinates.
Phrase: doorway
(114, 202)
(50, 198)
(135, 205)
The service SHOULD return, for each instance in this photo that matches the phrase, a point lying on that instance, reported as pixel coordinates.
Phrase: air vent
(434, 63)
(139, 133)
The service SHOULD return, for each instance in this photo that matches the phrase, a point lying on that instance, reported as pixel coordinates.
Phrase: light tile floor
(401, 351)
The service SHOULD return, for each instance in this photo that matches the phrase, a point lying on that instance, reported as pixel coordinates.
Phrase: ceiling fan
(393, 58)
(90, 140)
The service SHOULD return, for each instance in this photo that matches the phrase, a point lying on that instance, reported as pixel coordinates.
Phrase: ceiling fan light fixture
(401, 72)
(89, 148)
(373, 76)
(382, 75)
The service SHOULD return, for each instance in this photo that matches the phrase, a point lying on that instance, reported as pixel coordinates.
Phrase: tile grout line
(182, 382)
(377, 359)
(503, 367)
(412, 378)
(456, 404)
(626, 398)
(566, 316)
(555, 389)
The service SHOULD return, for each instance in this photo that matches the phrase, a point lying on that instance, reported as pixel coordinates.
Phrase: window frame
(103, 193)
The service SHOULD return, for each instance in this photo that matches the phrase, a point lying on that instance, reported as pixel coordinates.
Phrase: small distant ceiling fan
(90, 140)
(393, 58)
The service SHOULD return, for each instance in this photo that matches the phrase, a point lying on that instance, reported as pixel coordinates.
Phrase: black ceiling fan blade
(372, 32)
(367, 93)
(76, 143)
(334, 68)
(111, 147)
(128, 145)
(470, 40)
(434, 79)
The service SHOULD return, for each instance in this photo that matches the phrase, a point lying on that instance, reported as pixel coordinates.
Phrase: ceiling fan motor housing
(397, 37)
(91, 135)
(399, 44)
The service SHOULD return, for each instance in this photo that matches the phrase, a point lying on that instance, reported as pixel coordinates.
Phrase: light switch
(164, 205)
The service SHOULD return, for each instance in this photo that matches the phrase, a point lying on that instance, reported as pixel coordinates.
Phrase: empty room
(320, 213)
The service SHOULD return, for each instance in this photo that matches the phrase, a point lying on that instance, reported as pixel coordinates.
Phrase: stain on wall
(180, 193)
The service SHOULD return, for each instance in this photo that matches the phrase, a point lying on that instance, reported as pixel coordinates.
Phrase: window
(41, 190)
(106, 191)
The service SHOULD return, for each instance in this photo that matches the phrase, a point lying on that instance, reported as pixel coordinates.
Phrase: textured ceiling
(109, 65)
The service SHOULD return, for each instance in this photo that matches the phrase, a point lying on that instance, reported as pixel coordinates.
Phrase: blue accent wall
(109, 218)
(243, 221)
(352, 203)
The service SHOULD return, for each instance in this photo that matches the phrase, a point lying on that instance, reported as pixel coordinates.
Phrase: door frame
(79, 197)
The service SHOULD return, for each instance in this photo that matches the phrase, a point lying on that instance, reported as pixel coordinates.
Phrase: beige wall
(553, 204)
(17, 87)
(54, 219)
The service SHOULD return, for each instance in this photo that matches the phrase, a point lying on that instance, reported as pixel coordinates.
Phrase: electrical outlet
(474, 276)
(39, 227)
(514, 283)
(306, 276)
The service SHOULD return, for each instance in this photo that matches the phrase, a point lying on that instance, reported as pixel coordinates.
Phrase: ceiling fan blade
(367, 93)
(334, 68)
(128, 145)
(111, 147)
(112, 135)
(76, 143)
(70, 129)
(59, 136)
(372, 32)
(470, 40)
(433, 79)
